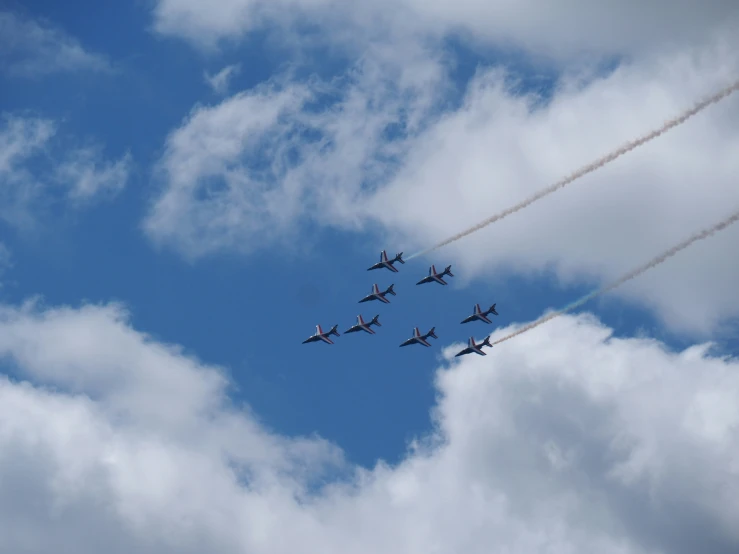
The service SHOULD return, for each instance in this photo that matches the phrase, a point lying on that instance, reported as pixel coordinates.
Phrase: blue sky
(250, 313)
(192, 230)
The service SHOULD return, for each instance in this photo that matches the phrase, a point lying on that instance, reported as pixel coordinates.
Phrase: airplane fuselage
(415, 340)
(386, 263)
(371, 297)
(473, 347)
(434, 277)
(380, 265)
(418, 338)
(475, 317)
(357, 328)
(377, 295)
(320, 335)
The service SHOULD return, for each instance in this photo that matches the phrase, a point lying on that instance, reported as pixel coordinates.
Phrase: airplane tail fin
(431, 333)
(448, 271)
(492, 310)
(486, 342)
(390, 290)
(399, 258)
(375, 321)
(333, 330)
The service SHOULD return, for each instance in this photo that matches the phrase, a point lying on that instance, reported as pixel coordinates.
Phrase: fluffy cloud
(30, 48)
(244, 173)
(220, 81)
(559, 29)
(564, 440)
(496, 151)
(33, 166)
(261, 161)
(88, 176)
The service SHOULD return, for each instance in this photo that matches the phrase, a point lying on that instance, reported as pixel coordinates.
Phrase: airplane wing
(439, 280)
(326, 339)
(484, 318)
(423, 341)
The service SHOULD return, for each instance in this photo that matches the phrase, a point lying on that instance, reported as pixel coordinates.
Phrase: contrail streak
(590, 168)
(628, 276)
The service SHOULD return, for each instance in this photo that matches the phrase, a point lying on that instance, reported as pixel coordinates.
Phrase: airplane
(320, 335)
(478, 314)
(362, 326)
(476, 348)
(377, 295)
(384, 262)
(433, 276)
(418, 338)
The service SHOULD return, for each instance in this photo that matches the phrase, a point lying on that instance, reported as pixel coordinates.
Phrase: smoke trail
(628, 276)
(590, 168)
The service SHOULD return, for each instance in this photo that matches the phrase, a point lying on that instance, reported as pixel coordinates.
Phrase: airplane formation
(417, 337)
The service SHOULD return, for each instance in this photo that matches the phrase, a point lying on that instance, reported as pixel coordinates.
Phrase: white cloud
(242, 173)
(30, 48)
(559, 29)
(132, 444)
(220, 81)
(495, 152)
(21, 139)
(33, 165)
(383, 153)
(88, 176)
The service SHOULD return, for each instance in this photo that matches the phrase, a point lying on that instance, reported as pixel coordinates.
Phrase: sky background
(187, 190)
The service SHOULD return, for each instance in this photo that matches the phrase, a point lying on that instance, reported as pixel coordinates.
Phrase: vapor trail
(590, 168)
(628, 276)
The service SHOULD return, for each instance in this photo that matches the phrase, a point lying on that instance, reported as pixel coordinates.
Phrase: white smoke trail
(628, 276)
(591, 167)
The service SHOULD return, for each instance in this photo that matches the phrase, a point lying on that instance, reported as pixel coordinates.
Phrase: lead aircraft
(418, 338)
(377, 295)
(320, 335)
(384, 262)
(476, 348)
(437, 277)
(479, 314)
(362, 326)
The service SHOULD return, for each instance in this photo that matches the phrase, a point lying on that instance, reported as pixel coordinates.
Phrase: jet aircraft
(384, 262)
(320, 335)
(433, 276)
(476, 348)
(418, 338)
(377, 295)
(362, 326)
(478, 314)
